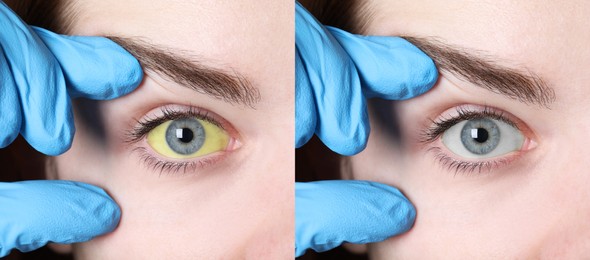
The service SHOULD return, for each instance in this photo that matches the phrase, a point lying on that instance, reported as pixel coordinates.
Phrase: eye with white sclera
(482, 138)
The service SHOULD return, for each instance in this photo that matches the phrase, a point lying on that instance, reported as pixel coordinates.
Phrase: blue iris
(480, 136)
(185, 136)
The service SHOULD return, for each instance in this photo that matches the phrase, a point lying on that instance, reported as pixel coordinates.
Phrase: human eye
(180, 138)
(188, 137)
(478, 138)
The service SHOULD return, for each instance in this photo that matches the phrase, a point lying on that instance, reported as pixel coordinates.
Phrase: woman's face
(230, 67)
(521, 191)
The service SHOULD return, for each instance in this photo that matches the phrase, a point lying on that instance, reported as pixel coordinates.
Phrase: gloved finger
(343, 123)
(47, 123)
(10, 114)
(390, 67)
(305, 107)
(94, 67)
(33, 213)
(328, 213)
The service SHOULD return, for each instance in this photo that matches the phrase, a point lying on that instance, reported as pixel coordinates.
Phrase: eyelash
(147, 124)
(442, 124)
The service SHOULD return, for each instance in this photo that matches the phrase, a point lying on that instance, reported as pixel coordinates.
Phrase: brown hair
(53, 15)
(348, 15)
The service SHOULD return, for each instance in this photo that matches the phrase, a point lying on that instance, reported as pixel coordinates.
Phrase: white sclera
(511, 139)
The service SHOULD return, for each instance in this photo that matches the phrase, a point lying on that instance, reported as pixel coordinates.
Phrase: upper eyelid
(147, 123)
(440, 124)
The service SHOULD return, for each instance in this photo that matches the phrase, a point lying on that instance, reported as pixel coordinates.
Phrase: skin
(240, 205)
(533, 207)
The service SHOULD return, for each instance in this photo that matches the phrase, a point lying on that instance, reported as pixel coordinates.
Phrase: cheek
(199, 215)
(535, 208)
(566, 197)
(238, 209)
(88, 159)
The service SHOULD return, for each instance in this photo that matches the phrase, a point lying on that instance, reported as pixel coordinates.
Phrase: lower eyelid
(154, 162)
(450, 162)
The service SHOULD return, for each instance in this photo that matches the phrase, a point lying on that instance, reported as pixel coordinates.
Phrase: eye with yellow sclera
(182, 138)
(186, 138)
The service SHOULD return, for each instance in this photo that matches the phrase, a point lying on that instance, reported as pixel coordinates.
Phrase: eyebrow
(232, 87)
(524, 86)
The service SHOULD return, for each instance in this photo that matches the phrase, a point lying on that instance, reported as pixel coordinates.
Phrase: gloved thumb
(329, 213)
(33, 213)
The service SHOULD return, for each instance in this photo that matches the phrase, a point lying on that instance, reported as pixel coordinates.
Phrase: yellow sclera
(216, 139)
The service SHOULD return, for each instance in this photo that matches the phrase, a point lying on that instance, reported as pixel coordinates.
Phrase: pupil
(482, 135)
(187, 135)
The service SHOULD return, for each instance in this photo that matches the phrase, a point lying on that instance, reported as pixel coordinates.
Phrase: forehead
(545, 36)
(238, 35)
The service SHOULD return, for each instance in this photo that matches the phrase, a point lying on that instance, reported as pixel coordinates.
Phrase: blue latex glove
(328, 213)
(33, 213)
(39, 72)
(336, 71)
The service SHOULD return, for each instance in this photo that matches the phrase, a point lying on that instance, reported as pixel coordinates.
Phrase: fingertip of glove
(420, 68)
(127, 72)
(416, 71)
(351, 146)
(53, 150)
(301, 140)
(425, 80)
(391, 67)
(94, 67)
(401, 210)
(107, 212)
(52, 140)
(51, 146)
(406, 215)
(129, 80)
(112, 216)
(8, 137)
